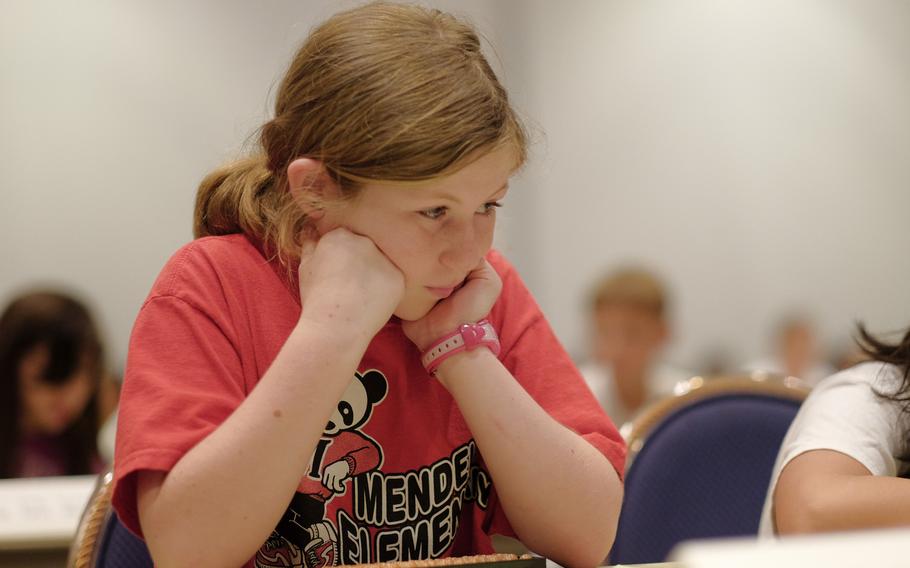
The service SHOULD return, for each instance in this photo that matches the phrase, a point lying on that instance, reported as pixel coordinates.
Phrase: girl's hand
(347, 284)
(468, 304)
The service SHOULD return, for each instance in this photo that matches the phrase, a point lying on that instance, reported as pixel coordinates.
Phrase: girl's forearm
(232, 488)
(862, 503)
(825, 491)
(561, 495)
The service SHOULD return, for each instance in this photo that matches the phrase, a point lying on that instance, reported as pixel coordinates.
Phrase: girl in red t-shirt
(374, 195)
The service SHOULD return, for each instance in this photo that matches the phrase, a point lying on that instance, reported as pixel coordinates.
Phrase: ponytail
(229, 199)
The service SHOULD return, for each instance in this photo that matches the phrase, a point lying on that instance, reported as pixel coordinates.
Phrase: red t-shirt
(415, 485)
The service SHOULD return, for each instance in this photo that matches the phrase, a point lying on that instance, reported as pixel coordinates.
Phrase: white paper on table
(42, 512)
(885, 548)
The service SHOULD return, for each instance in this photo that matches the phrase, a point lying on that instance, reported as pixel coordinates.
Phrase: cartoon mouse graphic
(304, 538)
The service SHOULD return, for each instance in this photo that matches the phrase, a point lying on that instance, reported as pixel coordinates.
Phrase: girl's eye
(489, 208)
(434, 213)
(439, 212)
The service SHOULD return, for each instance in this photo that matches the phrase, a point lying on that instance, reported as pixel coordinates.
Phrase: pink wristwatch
(468, 336)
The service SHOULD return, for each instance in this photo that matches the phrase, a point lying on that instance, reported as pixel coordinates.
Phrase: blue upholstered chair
(700, 463)
(101, 539)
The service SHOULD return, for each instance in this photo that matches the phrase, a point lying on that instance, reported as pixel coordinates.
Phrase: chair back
(700, 463)
(101, 539)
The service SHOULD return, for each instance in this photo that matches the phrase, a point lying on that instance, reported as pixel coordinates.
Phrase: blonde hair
(382, 92)
(630, 286)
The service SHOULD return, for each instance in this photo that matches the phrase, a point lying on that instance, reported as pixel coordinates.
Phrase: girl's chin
(54, 428)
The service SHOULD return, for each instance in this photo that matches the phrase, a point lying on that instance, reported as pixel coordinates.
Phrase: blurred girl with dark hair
(51, 364)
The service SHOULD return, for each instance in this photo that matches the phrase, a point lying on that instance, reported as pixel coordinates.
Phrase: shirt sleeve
(535, 357)
(845, 414)
(183, 379)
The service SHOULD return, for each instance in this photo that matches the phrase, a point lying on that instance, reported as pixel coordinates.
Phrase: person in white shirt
(796, 352)
(628, 309)
(843, 461)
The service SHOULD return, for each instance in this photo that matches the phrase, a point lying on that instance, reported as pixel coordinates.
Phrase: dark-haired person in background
(842, 463)
(51, 364)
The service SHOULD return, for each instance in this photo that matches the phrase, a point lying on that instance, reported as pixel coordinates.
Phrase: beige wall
(756, 152)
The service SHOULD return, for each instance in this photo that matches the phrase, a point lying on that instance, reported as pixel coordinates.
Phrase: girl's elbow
(167, 553)
(602, 531)
(593, 551)
(810, 513)
(586, 556)
(191, 557)
(597, 555)
(173, 544)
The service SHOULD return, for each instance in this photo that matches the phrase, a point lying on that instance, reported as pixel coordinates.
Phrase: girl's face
(47, 408)
(435, 233)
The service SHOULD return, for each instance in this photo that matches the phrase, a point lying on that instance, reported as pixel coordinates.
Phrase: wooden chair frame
(84, 548)
(637, 431)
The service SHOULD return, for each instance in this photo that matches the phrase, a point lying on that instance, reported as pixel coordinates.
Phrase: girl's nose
(464, 248)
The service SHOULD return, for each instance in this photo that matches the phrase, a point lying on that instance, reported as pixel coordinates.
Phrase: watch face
(473, 334)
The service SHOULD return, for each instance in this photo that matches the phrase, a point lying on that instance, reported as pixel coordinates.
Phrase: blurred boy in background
(628, 309)
(796, 352)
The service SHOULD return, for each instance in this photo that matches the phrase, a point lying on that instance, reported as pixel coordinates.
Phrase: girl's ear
(311, 186)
